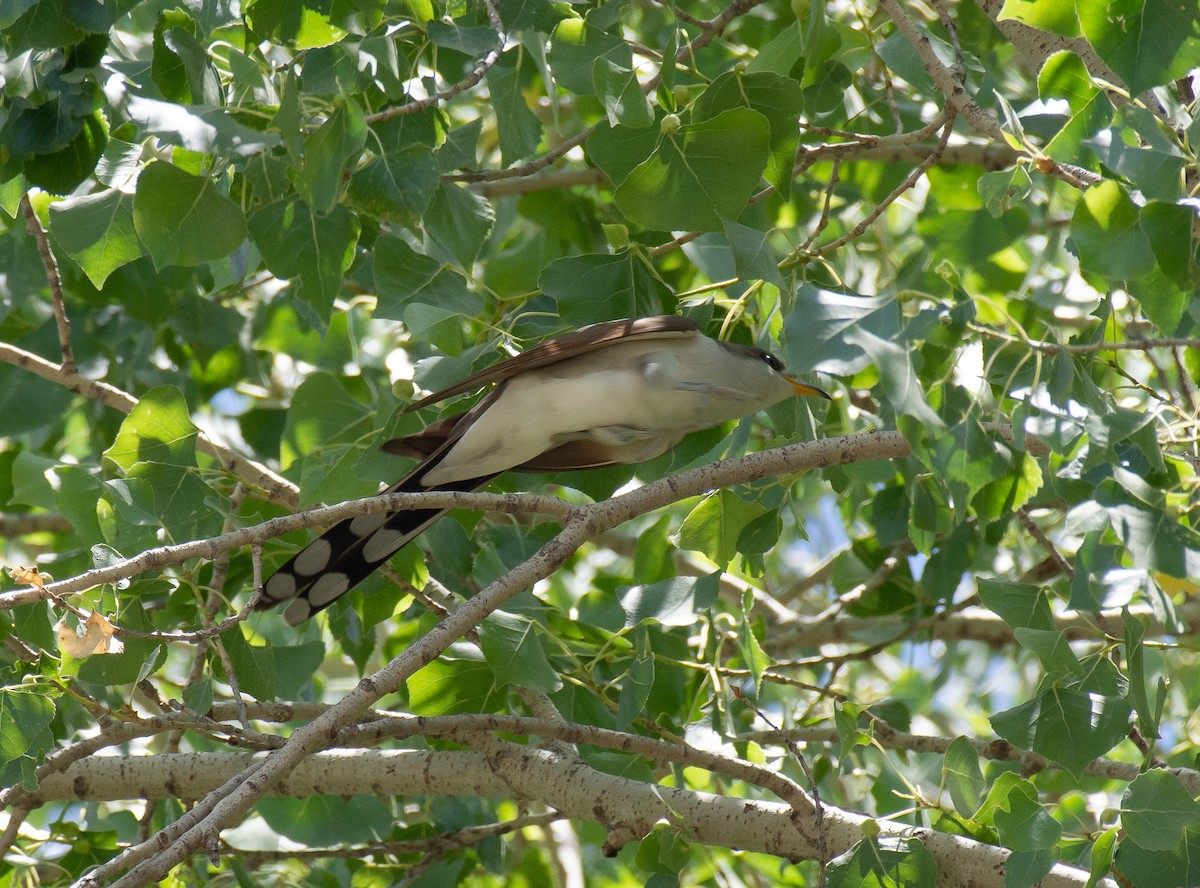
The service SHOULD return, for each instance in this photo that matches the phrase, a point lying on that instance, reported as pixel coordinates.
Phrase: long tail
(350, 551)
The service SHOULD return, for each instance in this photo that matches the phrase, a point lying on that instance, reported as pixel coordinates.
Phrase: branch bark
(628, 809)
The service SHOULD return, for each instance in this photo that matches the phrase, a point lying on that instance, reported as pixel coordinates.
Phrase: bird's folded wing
(569, 345)
(568, 457)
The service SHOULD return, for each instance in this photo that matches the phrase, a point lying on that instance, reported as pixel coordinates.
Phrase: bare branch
(1086, 348)
(34, 226)
(947, 83)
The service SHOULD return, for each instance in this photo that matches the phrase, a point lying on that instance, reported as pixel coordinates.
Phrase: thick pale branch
(947, 82)
(629, 809)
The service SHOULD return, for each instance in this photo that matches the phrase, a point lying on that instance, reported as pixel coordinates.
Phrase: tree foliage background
(949, 643)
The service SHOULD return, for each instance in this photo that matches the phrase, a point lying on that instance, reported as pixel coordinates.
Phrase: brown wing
(569, 345)
(424, 443)
(568, 457)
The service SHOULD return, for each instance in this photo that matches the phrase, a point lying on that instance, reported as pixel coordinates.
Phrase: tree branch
(947, 82)
(629, 809)
(273, 486)
(34, 226)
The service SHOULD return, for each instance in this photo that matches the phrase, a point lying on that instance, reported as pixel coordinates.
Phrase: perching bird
(617, 392)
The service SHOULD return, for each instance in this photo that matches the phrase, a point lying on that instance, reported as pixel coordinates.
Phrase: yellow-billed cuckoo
(618, 392)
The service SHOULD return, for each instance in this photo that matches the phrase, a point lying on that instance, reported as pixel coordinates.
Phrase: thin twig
(34, 226)
(1086, 348)
(476, 74)
(947, 118)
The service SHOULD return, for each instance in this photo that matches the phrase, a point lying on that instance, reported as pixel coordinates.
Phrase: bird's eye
(773, 362)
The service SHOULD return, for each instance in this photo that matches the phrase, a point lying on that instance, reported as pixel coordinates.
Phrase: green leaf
(512, 647)
(472, 41)
(1106, 235)
(399, 184)
(272, 672)
(459, 220)
(752, 255)
(635, 691)
(751, 655)
(1167, 227)
(199, 129)
(13, 10)
(461, 147)
(198, 697)
(301, 25)
(780, 54)
(327, 153)
(61, 172)
(1024, 869)
(842, 335)
(714, 526)
(1154, 539)
(1135, 658)
(1066, 726)
(1138, 151)
(171, 207)
(962, 776)
(180, 65)
(457, 684)
(1156, 809)
(1102, 856)
(1020, 819)
(315, 250)
(1004, 189)
(761, 535)
(619, 90)
(618, 150)
(404, 277)
(1143, 866)
(24, 718)
(882, 863)
(323, 413)
(159, 429)
(599, 287)
(576, 47)
(97, 231)
(698, 175)
(1064, 76)
(929, 516)
(1071, 143)
(1045, 15)
(1146, 43)
(519, 129)
(663, 853)
(324, 821)
(668, 603)
(779, 99)
(535, 15)
(1052, 648)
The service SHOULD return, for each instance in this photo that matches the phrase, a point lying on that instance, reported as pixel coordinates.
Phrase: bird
(616, 392)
